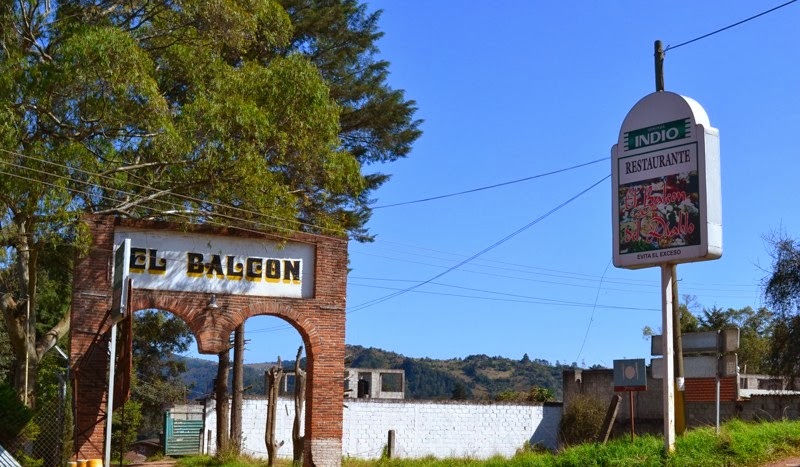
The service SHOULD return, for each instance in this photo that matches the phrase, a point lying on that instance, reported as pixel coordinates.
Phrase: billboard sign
(191, 262)
(666, 192)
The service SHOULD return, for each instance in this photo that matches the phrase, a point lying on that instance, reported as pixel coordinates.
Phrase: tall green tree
(377, 122)
(782, 293)
(188, 110)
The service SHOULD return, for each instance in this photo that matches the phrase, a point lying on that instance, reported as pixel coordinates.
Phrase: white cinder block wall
(422, 428)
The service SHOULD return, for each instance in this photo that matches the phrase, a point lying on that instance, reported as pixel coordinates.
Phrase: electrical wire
(515, 298)
(672, 47)
(473, 190)
(148, 188)
(594, 308)
(476, 255)
(587, 280)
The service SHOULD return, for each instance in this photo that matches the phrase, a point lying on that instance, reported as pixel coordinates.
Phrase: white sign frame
(666, 190)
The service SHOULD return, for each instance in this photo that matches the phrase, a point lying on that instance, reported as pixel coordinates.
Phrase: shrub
(15, 416)
(582, 420)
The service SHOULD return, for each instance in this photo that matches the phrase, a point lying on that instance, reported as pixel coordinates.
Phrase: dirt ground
(791, 462)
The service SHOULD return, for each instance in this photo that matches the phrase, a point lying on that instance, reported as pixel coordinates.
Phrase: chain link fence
(43, 438)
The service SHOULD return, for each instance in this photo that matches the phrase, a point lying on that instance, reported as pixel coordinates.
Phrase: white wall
(422, 428)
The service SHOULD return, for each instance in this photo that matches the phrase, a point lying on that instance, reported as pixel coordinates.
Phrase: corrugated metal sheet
(182, 437)
(6, 460)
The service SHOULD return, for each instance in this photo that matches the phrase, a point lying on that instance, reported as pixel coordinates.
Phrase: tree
(376, 122)
(274, 378)
(158, 337)
(755, 329)
(782, 293)
(460, 392)
(217, 112)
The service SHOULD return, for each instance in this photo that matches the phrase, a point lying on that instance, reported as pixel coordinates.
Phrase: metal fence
(47, 439)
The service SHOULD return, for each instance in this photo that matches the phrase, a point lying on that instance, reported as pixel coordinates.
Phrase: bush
(14, 416)
(582, 420)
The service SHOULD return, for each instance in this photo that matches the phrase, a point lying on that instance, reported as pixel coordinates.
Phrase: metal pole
(667, 351)
(633, 430)
(718, 383)
(110, 398)
(27, 343)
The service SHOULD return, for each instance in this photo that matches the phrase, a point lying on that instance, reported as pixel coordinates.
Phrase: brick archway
(319, 317)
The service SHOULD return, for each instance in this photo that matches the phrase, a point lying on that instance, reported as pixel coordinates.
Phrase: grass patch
(738, 443)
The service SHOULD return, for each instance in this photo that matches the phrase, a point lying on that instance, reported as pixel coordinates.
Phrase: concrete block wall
(699, 399)
(422, 428)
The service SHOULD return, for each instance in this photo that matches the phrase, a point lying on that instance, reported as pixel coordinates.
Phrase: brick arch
(319, 318)
(300, 321)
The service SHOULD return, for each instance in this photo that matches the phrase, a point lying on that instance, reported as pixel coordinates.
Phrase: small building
(370, 383)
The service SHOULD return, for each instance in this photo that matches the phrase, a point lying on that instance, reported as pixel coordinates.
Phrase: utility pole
(659, 56)
(238, 389)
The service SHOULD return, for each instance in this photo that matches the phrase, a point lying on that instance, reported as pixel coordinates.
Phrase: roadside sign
(120, 284)
(630, 375)
(703, 366)
(666, 191)
(724, 341)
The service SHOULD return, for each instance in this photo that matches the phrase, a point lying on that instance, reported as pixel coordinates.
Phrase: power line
(671, 47)
(515, 298)
(566, 275)
(207, 215)
(492, 186)
(476, 255)
(594, 308)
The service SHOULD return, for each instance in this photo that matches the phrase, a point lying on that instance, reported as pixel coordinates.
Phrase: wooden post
(238, 389)
(390, 445)
(659, 59)
(611, 416)
(630, 404)
(275, 374)
(680, 406)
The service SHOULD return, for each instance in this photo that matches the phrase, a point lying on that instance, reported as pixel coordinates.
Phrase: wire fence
(45, 439)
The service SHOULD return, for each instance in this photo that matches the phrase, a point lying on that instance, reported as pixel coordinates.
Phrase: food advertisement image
(659, 213)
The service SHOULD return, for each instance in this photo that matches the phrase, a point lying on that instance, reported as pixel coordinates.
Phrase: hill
(476, 377)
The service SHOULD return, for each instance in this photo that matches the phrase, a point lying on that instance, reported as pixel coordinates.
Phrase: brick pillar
(324, 405)
(91, 301)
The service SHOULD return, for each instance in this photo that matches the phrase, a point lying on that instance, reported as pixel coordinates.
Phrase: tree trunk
(221, 386)
(298, 440)
(238, 389)
(274, 377)
(18, 308)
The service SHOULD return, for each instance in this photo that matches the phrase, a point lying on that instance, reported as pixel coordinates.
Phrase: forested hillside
(476, 377)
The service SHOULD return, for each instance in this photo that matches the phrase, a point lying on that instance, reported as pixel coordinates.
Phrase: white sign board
(666, 192)
(191, 262)
(121, 273)
(705, 366)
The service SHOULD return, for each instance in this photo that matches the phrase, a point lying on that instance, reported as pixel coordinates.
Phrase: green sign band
(657, 134)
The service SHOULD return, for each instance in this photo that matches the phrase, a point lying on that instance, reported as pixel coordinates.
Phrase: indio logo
(657, 134)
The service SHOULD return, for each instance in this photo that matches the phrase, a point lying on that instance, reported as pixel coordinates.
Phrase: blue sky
(515, 89)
